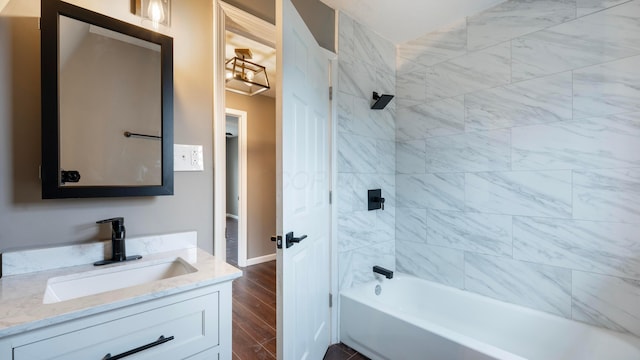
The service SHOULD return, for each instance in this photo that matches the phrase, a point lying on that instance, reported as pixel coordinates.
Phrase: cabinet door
(191, 326)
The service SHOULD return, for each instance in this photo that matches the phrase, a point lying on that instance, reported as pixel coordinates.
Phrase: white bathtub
(415, 319)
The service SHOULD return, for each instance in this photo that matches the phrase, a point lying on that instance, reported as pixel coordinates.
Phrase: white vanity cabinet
(194, 325)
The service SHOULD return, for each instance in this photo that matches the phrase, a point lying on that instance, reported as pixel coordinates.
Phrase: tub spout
(382, 271)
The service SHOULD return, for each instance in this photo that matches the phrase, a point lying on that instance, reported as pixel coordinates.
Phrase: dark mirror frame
(51, 189)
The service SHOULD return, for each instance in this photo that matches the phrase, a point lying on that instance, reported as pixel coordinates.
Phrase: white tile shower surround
(366, 152)
(517, 166)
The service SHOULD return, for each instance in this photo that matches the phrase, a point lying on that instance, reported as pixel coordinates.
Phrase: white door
(303, 270)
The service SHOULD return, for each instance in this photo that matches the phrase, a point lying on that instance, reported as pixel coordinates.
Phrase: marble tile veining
(433, 263)
(356, 265)
(601, 37)
(515, 18)
(411, 225)
(355, 154)
(410, 157)
(480, 233)
(528, 193)
(599, 247)
(606, 89)
(386, 156)
(536, 286)
(590, 6)
(601, 143)
(373, 49)
(411, 86)
(437, 46)
(475, 151)
(355, 79)
(444, 117)
(356, 229)
(433, 191)
(475, 71)
(607, 301)
(611, 195)
(529, 102)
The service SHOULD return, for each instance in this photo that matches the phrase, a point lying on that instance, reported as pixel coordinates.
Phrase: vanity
(174, 303)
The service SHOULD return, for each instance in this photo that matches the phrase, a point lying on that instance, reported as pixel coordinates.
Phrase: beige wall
(28, 221)
(232, 175)
(261, 170)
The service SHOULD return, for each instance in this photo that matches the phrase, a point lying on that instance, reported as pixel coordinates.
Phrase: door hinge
(330, 197)
(330, 300)
(330, 92)
(39, 23)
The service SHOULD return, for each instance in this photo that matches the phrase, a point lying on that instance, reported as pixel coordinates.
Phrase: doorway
(236, 185)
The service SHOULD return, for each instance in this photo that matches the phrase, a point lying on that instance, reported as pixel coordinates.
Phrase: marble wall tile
(607, 301)
(606, 142)
(386, 156)
(433, 191)
(605, 89)
(611, 195)
(474, 151)
(410, 157)
(515, 18)
(346, 45)
(437, 46)
(536, 286)
(433, 263)
(600, 247)
(352, 190)
(529, 102)
(528, 193)
(590, 6)
(411, 225)
(372, 49)
(355, 267)
(480, 233)
(472, 72)
(380, 124)
(411, 86)
(601, 37)
(356, 79)
(355, 154)
(357, 229)
(445, 117)
(349, 194)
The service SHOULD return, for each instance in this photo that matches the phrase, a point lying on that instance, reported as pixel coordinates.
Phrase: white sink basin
(119, 276)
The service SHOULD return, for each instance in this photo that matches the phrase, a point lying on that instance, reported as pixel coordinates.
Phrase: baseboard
(261, 259)
(233, 216)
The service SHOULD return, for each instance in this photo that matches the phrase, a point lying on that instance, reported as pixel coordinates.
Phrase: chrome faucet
(118, 249)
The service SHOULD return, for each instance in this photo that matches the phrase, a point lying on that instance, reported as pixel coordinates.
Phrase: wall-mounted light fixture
(245, 77)
(157, 11)
(380, 101)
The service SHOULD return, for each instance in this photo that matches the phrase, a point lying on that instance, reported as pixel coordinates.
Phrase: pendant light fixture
(245, 77)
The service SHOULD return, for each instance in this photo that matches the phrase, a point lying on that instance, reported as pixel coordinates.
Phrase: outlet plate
(188, 158)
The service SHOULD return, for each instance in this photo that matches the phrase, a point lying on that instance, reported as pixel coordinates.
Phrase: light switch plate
(188, 158)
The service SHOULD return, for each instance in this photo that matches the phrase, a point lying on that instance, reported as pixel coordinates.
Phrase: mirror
(107, 106)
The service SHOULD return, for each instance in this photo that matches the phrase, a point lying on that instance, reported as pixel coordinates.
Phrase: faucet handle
(119, 220)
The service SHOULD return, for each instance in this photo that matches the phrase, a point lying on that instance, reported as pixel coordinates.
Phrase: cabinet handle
(161, 340)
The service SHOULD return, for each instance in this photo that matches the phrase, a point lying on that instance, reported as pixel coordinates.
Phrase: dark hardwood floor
(254, 317)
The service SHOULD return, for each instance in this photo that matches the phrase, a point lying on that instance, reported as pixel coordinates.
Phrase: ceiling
(262, 54)
(404, 20)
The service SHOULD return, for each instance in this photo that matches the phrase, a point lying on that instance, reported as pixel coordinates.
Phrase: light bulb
(229, 75)
(155, 12)
(249, 75)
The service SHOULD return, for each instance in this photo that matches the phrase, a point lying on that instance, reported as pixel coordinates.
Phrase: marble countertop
(21, 295)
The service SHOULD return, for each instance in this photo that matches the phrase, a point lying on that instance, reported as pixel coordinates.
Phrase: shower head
(380, 101)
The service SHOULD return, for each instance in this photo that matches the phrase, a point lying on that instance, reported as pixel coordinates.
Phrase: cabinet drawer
(192, 323)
